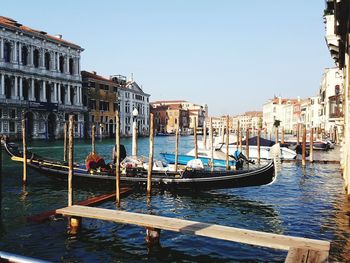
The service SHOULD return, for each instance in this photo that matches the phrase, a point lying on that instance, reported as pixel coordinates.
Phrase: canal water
(302, 202)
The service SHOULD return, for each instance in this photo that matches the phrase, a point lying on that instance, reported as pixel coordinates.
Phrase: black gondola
(187, 179)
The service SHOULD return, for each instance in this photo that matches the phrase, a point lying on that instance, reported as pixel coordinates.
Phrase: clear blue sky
(232, 55)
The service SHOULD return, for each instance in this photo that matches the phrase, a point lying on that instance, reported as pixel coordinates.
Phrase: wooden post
(65, 142)
(93, 138)
(276, 134)
(117, 158)
(1, 176)
(205, 135)
(247, 144)
(258, 144)
(24, 152)
(227, 142)
(177, 143)
(265, 133)
(282, 139)
(237, 135)
(195, 139)
(303, 160)
(211, 144)
(240, 140)
(298, 130)
(70, 161)
(150, 161)
(223, 131)
(311, 156)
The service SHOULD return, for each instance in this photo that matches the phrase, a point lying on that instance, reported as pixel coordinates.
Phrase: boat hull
(182, 180)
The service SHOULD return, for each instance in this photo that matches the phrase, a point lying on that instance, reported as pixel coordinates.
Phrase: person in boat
(122, 153)
(94, 162)
(240, 158)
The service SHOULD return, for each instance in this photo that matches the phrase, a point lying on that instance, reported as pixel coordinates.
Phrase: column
(32, 94)
(79, 95)
(1, 49)
(67, 59)
(68, 95)
(41, 59)
(20, 88)
(20, 53)
(14, 52)
(44, 91)
(16, 87)
(55, 92)
(65, 70)
(59, 92)
(2, 91)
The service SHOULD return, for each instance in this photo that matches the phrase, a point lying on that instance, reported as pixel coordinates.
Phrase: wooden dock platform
(96, 200)
(300, 249)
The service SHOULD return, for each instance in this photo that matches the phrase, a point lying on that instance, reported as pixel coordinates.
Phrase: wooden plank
(317, 256)
(297, 255)
(300, 255)
(42, 217)
(197, 228)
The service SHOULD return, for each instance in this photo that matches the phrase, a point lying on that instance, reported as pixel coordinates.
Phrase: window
(92, 104)
(36, 58)
(47, 60)
(13, 113)
(12, 126)
(7, 52)
(115, 89)
(92, 84)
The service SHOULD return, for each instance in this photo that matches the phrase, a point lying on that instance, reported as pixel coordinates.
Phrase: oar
(20, 159)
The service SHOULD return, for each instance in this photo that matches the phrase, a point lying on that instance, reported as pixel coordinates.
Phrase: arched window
(71, 66)
(24, 55)
(61, 64)
(36, 58)
(47, 60)
(7, 52)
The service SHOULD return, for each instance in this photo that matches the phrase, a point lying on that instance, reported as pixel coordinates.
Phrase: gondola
(192, 179)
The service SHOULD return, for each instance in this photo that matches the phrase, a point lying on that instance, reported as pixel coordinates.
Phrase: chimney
(94, 72)
(59, 36)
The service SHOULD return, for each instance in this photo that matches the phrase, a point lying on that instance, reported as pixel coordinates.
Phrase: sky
(231, 55)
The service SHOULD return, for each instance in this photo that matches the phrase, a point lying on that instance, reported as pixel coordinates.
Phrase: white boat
(265, 153)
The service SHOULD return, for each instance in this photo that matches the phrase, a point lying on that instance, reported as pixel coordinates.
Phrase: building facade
(131, 96)
(100, 96)
(39, 81)
(337, 18)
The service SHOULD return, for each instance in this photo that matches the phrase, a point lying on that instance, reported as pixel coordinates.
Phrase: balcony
(39, 71)
(335, 107)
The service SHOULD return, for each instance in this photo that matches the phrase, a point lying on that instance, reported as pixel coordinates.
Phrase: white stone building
(130, 97)
(39, 81)
(331, 92)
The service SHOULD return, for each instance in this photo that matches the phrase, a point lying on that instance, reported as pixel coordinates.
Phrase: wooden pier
(299, 249)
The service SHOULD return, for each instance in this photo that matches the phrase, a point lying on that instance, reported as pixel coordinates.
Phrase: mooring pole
(240, 140)
(298, 133)
(276, 134)
(195, 139)
(134, 136)
(237, 135)
(303, 161)
(265, 133)
(205, 135)
(177, 142)
(65, 142)
(117, 159)
(227, 141)
(247, 144)
(93, 138)
(282, 139)
(1, 178)
(150, 161)
(311, 156)
(258, 144)
(70, 161)
(211, 144)
(24, 152)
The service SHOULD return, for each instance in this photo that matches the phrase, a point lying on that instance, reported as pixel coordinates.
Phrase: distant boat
(165, 134)
(265, 147)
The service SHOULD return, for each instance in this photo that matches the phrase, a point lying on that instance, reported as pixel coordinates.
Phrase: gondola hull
(137, 177)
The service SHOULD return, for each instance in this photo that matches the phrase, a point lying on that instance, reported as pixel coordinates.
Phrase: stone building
(101, 98)
(39, 81)
(131, 96)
